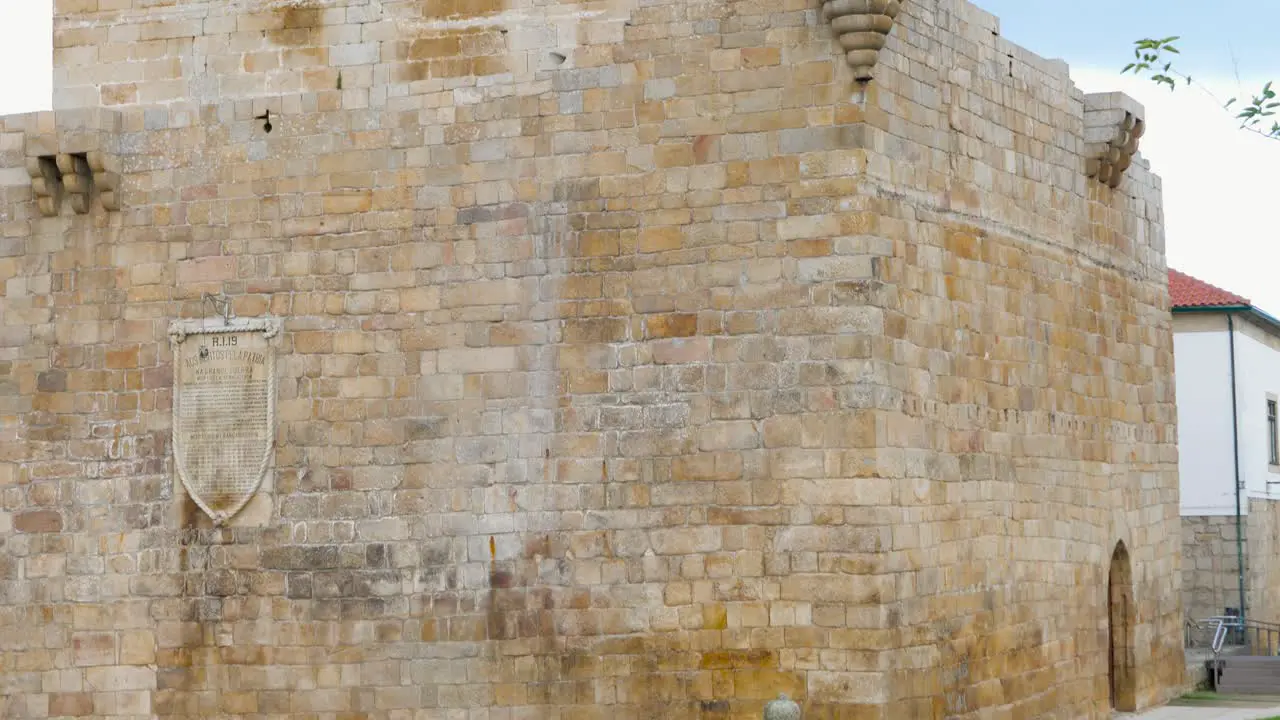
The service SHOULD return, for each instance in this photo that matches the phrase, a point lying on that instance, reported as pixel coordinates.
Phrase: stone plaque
(224, 402)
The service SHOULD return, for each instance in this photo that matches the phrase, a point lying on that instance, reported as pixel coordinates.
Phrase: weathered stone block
(75, 704)
(38, 521)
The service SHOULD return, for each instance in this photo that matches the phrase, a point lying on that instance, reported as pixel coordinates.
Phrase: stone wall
(1262, 559)
(1210, 579)
(123, 52)
(655, 376)
(1210, 565)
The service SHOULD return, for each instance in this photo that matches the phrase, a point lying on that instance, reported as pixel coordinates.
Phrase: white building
(1227, 369)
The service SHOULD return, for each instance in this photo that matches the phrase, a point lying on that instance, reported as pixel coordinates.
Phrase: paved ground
(1207, 713)
(1227, 709)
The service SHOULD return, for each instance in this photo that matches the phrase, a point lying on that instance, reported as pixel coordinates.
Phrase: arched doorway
(1120, 621)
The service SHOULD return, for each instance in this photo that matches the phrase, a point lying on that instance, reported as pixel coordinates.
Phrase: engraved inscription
(223, 416)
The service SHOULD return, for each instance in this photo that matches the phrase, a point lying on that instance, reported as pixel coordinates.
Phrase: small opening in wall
(49, 167)
(47, 184)
(558, 58)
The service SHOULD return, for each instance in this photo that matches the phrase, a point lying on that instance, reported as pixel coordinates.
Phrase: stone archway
(1120, 626)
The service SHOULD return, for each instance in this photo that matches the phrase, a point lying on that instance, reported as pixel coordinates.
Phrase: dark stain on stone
(444, 9)
(538, 546)
(188, 512)
(296, 24)
(52, 381)
(714, 708)
(377, 555)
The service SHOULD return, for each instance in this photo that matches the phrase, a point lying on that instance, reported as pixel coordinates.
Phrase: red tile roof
(1188, 292)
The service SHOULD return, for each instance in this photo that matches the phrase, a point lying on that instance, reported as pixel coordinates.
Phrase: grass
(1205, 698)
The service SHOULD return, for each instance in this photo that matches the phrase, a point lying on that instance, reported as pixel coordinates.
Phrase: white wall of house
(1202, 372)
(1257, 377)
(1200, 362)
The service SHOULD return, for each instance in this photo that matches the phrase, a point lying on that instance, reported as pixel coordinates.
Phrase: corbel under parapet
(106, 178)
(77, 182)
(69, 156)
(1113, 126)
(862, 27)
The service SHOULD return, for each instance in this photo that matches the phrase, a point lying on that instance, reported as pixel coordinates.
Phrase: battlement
(355, 54)
(202, 51)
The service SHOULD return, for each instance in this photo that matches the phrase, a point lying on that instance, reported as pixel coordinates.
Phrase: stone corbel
(77, 183)
(1113, 126)
(106, 179)
(862, 26)
(68, 158)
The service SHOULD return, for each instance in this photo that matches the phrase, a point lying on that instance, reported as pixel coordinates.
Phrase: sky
(1218, 180)
(26, 55)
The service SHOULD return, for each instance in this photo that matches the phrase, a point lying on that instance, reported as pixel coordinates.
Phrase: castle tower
(614, 360)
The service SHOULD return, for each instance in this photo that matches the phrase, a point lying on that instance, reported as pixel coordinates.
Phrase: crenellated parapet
(862, 27)
(71, 160)
(1113, 126)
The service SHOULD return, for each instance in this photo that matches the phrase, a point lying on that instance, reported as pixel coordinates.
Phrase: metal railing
(1197, 634)
(1250, 637)
(1212, 633)
(1254, 637)
(1262, 638)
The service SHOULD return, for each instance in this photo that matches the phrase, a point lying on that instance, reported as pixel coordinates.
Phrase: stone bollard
(784, 708)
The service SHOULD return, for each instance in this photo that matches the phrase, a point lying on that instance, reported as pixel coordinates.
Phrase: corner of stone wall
(67, 158)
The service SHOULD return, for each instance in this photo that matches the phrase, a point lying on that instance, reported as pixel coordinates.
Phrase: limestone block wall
(1210, 565)
(121, 52)
(671, 374)
(1210, 580)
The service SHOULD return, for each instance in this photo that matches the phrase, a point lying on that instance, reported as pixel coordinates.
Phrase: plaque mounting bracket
(221, 305)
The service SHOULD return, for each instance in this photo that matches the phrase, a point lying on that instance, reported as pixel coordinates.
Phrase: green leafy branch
(1151, 57)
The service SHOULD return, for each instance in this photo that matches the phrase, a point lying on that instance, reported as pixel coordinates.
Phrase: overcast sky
(26, 55)
(1219, 184)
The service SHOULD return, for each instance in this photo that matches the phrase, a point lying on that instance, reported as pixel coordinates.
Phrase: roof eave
(1265, 319)
(1179, 309)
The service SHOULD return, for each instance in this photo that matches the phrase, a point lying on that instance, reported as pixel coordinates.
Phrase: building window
(1272, 438)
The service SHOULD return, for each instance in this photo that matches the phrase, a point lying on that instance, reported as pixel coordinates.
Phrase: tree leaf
(1150, 59)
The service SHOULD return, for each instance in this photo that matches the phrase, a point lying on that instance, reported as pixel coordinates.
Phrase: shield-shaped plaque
(224, 410)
